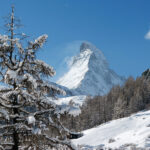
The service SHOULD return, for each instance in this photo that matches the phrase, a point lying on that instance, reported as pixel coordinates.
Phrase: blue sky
(117, 27)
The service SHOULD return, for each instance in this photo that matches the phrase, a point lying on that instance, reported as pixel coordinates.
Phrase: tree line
(120, 102)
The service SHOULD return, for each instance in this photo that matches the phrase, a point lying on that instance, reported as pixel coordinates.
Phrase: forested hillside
(120, 102)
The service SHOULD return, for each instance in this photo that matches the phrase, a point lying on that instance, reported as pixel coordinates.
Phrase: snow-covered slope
(133, 131)
(71, 104)
(89, 73)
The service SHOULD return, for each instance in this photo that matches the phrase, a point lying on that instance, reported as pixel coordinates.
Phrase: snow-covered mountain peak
(87, 45)
(78, 68)
(89, 73)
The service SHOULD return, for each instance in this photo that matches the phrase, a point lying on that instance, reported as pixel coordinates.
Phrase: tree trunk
(15, 134)
(16, 141)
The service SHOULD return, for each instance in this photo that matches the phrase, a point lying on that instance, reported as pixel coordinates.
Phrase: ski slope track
(126, 134)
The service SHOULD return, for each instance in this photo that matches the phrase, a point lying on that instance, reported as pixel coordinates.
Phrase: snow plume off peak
(89, 73)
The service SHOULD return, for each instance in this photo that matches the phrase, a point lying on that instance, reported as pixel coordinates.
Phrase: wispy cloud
(147, 35)
(68, 50)
(71, 49)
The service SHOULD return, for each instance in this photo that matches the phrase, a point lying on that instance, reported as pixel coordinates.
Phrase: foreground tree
(29, 119)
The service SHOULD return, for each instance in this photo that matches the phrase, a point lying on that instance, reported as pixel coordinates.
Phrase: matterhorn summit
(89, 73)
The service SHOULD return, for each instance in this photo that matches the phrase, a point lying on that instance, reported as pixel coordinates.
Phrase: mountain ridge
(89, 73)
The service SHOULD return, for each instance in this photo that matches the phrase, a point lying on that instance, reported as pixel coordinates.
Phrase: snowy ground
(133, 131)
(71, 104)
(75, 99)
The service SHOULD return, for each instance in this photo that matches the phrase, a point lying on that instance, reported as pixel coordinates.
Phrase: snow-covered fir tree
(29, 119)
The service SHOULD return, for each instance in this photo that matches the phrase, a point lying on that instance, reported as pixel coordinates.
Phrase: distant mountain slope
(133, 131)
(89, 73)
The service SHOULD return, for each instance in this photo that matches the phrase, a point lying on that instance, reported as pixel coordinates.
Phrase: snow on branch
(10, 76)
(5, 89)
(45, 68)
(7, 126)
(9, 93)
(38, 43)
(3, 39)
(4, 45)
(31, 119)
(52, 89)
(24, 93)
(8, 105)
(4, 113)
(1, 147)
(29, 78)
(20, 48)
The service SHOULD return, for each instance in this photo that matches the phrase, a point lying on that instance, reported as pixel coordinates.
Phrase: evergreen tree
(29, 119)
